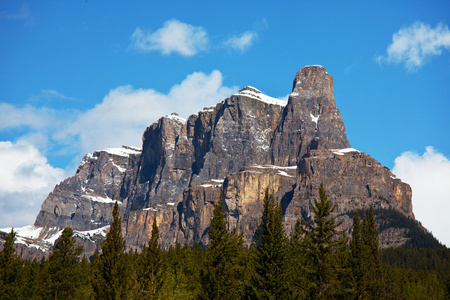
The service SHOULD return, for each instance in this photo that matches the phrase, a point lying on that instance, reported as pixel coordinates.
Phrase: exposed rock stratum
(245, 144)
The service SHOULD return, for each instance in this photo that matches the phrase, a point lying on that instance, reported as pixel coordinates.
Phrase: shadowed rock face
(247, 143)
(310, 121)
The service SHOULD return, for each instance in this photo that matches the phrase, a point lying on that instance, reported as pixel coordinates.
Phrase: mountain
(245, 144)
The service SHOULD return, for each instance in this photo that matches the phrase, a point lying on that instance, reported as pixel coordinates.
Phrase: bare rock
(240, 147)
(310, 121)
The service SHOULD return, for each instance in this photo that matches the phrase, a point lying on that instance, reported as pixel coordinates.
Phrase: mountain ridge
(244, 144)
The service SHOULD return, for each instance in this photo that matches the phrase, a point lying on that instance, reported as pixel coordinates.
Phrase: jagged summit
(244, 144)
(251, 89)
(314, 79)
(252, 92)
(175, 117)
(310, 120)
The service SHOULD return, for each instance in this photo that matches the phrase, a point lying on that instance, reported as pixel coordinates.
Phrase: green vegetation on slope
(316, 262)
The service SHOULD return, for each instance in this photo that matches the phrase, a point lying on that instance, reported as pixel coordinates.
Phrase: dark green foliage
(409, 284)
(374, 283)
(298, 263)
(222, 277)
(10, 269)
(325, 249)
(436, 260)
(317, 262)
(64, 270)
(150, 267)
(270, 274)
(109, 282)
(181, 279)
(366, 258)
(356, 248)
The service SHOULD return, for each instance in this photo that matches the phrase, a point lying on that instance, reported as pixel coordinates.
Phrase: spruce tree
(270, 274)
(325, 250)
(357, 257)
(181, 276)
(10, 269)
(297, 263)
(222, 275)
(374, 282)
(64, 270)
(150, 268)
(110, 282)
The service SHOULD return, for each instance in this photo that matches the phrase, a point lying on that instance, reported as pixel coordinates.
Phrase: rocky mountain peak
(311, 120)
(313, 81)
(238, 148)
(250, 89)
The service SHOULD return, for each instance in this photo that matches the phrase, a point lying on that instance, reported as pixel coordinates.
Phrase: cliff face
(310, 121)
(247, 143)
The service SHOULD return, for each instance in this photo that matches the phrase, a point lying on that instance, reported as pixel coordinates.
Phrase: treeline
(417, 236)
(317, 261)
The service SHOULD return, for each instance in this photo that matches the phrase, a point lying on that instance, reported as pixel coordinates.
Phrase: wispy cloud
(25, 180)
(55, 95)
(49, 95)
(415, 44)
(428, 174)
(242, 42)
(173, 37)
(12, 116)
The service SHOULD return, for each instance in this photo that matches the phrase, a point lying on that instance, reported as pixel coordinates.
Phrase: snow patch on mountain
(124, 151)
(100, 199)
(254, 93)
(176, 117)
(343, 151)
(315, 119)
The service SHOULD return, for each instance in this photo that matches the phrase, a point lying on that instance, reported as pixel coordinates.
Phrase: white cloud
(242, 42)
(413, 45)
(125, 112)
(174, 36)
(429, 176)
(25, 180)
(12, 116)
(53, 94)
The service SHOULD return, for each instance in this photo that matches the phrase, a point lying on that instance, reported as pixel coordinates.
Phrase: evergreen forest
(316, 261)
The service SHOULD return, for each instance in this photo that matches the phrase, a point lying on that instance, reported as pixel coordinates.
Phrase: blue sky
(77, 76)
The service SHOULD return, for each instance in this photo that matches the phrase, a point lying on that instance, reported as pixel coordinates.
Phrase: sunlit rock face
(239, 148)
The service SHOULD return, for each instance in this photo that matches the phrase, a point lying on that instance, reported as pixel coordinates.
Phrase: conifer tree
(366, 258)
(297, 263)
(181, 276)
(42, 285)
(325, 250)
(222, 275)
(357, 256)
(374, 283)
(150, 268)
(65, 273)
(110, 282)
(85, 290)
(270, 275)
(10, 269)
